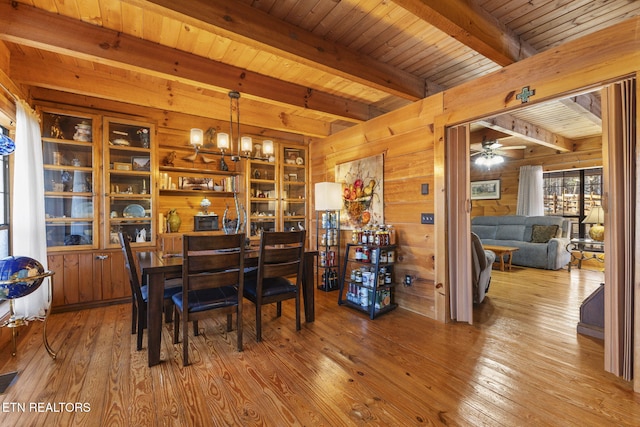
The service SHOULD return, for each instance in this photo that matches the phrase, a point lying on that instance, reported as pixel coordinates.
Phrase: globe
(14, 276)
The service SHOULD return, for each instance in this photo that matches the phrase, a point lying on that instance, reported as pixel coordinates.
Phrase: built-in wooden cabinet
(70, 157)
(277, 191)
(128, 182)
(98, 180)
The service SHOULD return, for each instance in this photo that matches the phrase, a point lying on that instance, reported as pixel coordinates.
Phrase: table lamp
(596, 218)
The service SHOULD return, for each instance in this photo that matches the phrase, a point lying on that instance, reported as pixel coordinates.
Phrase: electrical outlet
(408, 280)
(427, 218)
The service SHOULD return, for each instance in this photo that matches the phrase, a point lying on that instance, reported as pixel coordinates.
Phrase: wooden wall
(587, 154)
(405, 138)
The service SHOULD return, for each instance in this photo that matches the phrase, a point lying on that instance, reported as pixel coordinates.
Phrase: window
(5, 247)
(571, 194)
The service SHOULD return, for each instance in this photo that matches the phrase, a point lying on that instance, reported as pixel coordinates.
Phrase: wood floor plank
(520, 363)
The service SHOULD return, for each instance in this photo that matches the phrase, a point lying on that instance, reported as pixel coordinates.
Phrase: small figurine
(56, 132)
(168, 160)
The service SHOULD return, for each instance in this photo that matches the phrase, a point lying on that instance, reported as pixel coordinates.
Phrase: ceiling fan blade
(476, 153)
(476, 147)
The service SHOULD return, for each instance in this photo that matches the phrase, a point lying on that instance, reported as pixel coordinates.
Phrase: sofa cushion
(510, 232)
(543, 233)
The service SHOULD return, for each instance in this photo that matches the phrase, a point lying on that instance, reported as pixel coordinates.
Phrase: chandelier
(225, 141)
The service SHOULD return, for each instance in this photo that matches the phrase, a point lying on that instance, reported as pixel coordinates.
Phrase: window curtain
(27, 220)
(530, 191)
(619, 203)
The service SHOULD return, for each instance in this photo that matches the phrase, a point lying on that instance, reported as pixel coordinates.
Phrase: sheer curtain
(530, 191)
(27, 220)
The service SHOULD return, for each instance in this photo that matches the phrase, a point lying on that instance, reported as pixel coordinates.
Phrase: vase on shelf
(174, 221)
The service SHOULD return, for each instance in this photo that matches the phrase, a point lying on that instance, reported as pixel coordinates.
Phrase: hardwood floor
(520, 364)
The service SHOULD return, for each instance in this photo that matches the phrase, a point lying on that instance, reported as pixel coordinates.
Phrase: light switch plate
(427, 218)
(425, 189)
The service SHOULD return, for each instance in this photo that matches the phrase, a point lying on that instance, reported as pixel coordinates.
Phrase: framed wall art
(485, 190)
(362, 192)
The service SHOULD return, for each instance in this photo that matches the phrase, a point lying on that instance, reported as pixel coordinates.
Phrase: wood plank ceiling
(307, 67)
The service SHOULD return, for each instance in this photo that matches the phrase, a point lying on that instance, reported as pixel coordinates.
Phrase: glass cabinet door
(294, 188)
(128, 181)
(69, 180)
(263, 197)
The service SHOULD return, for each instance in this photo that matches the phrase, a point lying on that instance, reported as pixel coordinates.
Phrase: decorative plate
(133, 211)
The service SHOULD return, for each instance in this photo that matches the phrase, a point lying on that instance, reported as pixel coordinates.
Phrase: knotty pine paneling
(590, 155)
(405, 137)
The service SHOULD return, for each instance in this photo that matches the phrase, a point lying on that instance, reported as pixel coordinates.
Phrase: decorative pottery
(174, 221)
(12, 270)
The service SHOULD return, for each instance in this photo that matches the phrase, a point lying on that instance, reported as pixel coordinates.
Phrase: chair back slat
(281, 254)
(203, 261)
(212, 261)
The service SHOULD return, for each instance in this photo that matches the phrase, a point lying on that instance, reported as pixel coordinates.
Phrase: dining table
(157, 265)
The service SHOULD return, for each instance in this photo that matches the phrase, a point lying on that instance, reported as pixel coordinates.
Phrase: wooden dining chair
(279, 274)
(212, 280)
(139, 293)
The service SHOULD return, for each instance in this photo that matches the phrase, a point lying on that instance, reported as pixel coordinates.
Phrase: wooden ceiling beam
(140, 89)
(587, 105)
(511, 125)
(40, 29)
(248, 25)
(472, 26)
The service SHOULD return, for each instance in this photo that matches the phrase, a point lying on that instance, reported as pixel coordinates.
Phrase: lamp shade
(223, 141)
(246, 144)
(267, 147)
(328, 196)
(596, 216)
(196, 137)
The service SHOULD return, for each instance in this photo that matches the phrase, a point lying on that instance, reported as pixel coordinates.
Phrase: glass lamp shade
(197, 138)
(267, 147)
(328, 196)
(223, 141)
(246, 144)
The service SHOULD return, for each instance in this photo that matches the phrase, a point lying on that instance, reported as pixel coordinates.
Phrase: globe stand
(14, 322)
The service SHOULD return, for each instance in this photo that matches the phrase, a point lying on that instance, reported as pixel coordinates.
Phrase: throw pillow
(542, 233)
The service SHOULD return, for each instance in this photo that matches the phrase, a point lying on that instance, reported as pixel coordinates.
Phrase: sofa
(541, 240)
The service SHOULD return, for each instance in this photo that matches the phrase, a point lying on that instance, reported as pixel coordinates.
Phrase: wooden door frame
(606, 56)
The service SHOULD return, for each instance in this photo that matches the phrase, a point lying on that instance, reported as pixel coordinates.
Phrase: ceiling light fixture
(489, 158)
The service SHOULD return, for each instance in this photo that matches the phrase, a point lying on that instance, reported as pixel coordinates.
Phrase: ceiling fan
(491, 152)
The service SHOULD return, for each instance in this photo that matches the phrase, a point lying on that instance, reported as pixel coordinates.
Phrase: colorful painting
(362, 192)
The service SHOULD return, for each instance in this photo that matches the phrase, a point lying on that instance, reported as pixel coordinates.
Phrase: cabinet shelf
(196, 171)
(67, 194)
(67, 220)
(68, 142)
(178, 192)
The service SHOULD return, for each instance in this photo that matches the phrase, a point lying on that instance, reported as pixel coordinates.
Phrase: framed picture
(194, 183)
(293, 156)
(141, 163)
(485, 190)
(362, 192)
